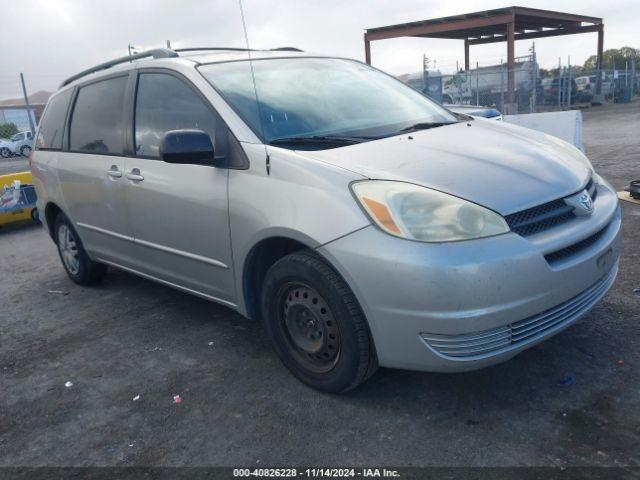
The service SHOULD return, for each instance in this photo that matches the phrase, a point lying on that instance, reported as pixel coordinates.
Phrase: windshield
(321, 97)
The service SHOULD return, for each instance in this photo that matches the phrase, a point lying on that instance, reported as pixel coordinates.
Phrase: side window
(163, 103)
(96, 123)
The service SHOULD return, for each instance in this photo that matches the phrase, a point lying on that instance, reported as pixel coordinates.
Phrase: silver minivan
(362, 223)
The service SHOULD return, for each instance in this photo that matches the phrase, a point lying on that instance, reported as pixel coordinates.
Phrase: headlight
(419, 213)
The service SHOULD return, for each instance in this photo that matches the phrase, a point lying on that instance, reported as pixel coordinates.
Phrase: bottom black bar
(410, 473)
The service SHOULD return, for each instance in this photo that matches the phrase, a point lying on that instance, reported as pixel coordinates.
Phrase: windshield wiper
(424, 126)
(318, 139)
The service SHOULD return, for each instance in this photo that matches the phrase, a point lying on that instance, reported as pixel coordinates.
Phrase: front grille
(497, 340)
(542, 217)
(565, 252)
(536, 219)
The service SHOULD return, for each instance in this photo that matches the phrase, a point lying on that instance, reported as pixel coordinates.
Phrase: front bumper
(433, 306)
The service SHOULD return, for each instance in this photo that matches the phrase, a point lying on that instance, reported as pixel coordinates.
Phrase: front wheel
(80, 268)
(316, 325)
(25, 150)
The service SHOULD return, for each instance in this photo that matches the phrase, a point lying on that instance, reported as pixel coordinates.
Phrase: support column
(466, 55)
(511, 63)
(367, 50)
(599, 60)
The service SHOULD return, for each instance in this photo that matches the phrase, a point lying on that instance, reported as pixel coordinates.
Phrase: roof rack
(204, 49)
(163, 53)
(286, 49)
(155, 53)
(235, 49)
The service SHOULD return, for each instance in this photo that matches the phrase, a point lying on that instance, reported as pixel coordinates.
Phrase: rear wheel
(80, 268)
(316, 325)
(5, 152)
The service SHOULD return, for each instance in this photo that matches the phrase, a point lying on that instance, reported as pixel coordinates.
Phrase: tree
(614, 58)
(7, 130)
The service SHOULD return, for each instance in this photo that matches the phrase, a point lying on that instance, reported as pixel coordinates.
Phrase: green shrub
(7, 130)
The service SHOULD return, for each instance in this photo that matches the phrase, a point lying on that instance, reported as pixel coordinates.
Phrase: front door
(178, 212)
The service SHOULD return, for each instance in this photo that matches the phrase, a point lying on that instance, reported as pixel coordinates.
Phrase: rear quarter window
(52, 122)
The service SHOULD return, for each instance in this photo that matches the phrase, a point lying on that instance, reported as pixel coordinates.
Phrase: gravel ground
(130, 345)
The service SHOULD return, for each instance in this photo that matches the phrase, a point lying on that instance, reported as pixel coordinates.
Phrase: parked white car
(19, 144)
(5, 150)
(476, 111)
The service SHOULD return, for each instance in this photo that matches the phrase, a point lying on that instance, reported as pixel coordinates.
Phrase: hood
(503, 167)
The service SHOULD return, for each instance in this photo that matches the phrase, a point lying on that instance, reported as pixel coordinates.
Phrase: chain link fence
(534, 89)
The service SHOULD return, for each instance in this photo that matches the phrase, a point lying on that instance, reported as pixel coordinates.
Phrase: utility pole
(477, 84)
(425, 73)
(168, 44)
(26, 103)
(569, 82)
(501, 86)
(559, 83)
(534, 98)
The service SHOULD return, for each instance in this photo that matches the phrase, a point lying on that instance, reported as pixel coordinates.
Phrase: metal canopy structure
(500, 25)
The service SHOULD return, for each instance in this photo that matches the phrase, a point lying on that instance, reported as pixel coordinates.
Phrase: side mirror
(187, 147)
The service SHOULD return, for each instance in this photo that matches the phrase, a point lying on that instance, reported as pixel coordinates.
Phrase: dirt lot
(130, 337)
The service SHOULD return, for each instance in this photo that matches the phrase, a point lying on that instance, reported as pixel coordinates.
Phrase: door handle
(114, 172)
(135, 175)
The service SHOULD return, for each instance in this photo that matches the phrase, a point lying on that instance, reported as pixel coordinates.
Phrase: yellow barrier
(17, 198)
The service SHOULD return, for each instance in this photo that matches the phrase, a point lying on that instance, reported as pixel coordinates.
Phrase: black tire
(5, 152)
(335, 352)
(87, 272)
(25, 150)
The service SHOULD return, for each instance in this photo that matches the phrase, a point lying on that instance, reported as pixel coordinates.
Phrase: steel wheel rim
(68, 249)
(309, 327)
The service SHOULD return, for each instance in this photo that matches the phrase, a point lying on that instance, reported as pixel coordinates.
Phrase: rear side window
(97, 120)
(164, 103)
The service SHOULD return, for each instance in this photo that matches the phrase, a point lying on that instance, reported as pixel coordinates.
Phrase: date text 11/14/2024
(316, 472)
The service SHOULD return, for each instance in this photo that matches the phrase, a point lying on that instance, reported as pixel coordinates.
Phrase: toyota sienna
(361, 222)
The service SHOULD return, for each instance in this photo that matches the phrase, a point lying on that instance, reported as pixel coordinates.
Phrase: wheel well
(258, 262)
(51, 211)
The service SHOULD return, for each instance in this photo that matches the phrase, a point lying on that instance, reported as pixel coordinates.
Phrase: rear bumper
(433, 306)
